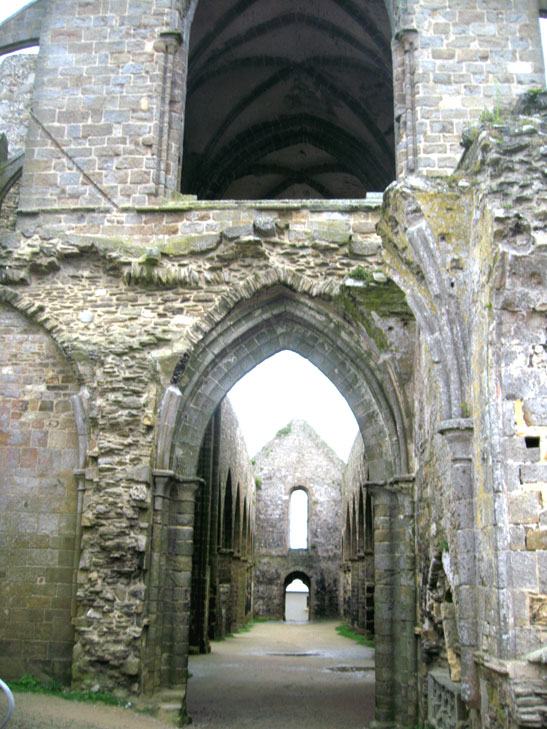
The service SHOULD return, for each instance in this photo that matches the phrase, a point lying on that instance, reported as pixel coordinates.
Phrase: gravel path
(277, 676)
(34, 711)
(283, 676)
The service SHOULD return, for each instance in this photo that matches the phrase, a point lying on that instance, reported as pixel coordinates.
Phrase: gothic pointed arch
(276, 319)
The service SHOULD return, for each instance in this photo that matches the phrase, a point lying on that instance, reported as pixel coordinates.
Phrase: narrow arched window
(298, 519)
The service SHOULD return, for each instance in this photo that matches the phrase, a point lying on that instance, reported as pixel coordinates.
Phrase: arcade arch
(277, 318)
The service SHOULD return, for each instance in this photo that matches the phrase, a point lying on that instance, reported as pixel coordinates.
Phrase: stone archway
(298, 609)
(278, 318)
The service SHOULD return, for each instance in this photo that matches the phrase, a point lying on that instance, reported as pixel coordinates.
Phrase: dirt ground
(277, 676)
(283, 676)
(34, 711)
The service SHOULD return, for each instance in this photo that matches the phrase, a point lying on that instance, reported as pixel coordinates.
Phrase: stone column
(170, 584)
(459, 437)
(79, 475)
(404, 51)
(156, 562)
(383, 604)
(394, 602)
(404, 635)
(168, 44)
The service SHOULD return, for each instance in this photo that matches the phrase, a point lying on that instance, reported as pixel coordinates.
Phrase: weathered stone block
(364, 247)
(524, 507)
(538, 610)
(536, 539)
(524, 570)
(533, 473)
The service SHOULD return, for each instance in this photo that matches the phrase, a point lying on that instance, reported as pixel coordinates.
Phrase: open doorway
(297, 598)
(241, 340)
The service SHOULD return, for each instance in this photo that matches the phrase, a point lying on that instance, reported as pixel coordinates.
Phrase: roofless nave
(129, 311)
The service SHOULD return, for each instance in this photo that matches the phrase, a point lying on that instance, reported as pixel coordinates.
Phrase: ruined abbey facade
(189, 186)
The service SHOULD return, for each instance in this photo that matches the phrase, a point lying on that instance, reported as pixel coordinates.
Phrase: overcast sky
(287, 387)
(8, 7)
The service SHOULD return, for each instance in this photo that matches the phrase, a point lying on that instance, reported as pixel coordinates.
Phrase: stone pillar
(170, 583)
(165, 175)
(404, 61)
(459, 437)
(199, 618)
(394, 602)
(383, 604)
(404, 635)
(151, 679)
(79, 475)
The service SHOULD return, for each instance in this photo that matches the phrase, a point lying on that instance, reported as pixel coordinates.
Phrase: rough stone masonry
(197, 189)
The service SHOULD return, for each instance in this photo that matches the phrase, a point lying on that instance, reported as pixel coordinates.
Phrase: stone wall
(454, 62)
(435, 333)
(16, 86)
(116, 135)
(297, 458)
(17, 77)
(358, 543)
(479, 498)
(235, 563)
(38, 517)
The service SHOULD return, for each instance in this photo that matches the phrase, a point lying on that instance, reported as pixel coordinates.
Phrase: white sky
(287, 387)
(8, 7)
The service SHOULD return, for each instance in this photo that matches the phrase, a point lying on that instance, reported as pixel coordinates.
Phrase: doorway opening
(276, 318)
(297, 598)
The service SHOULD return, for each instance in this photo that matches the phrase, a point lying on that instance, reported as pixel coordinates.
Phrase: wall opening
(297, 598)
(298, 519)
(290, 99)
(543, 36)
(250, 333)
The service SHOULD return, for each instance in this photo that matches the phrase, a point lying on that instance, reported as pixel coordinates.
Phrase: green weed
(285, 430)
(346, 632)
(30, 684)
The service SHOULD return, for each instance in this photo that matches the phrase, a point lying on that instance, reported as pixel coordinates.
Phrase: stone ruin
(189, 187)
(298, 460)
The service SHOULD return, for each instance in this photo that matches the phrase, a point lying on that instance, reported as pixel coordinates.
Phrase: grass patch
(346, 632)
(30, 684)
(243, 629)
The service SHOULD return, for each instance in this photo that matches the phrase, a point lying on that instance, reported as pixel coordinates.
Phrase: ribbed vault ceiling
(289, 99)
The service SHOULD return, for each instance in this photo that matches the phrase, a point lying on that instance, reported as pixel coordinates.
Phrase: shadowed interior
(289, 100)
